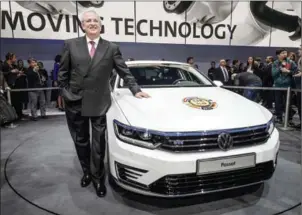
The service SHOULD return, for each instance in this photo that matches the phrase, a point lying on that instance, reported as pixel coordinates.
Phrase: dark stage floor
(44, 169)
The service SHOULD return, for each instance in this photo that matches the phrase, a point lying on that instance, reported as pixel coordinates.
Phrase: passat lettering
(227, 164)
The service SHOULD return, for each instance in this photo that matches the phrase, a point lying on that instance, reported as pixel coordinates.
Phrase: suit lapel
(100, 51)
(83, 48)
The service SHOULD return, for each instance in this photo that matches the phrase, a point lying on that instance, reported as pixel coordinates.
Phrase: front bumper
(167, 174)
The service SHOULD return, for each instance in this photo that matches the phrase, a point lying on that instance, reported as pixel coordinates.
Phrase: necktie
(92, 50)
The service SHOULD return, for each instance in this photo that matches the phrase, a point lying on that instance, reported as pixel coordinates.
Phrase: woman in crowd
(250, 65)
(296, 97)
(57, 93)
(292, 56)
(253, 66)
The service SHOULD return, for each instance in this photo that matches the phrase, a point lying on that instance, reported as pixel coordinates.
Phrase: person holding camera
(283, 70)
(35, 80)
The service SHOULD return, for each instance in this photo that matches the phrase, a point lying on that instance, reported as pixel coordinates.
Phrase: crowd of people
(281, 71)
(14, 75)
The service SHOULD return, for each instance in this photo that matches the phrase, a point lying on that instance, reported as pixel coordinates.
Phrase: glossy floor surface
(43, 168)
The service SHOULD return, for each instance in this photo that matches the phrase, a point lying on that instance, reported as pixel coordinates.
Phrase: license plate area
(229, 163)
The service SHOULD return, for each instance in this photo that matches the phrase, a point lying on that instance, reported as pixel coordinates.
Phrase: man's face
(91, 24)
(20, 63)
(33, 64)
(213, 65)
(14, 59)
(191, 61)
(222, 63)
(283, 55)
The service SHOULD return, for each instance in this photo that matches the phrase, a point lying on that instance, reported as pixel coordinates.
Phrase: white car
(191, 137)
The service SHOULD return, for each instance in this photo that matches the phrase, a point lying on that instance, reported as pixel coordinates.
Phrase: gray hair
(90, 11)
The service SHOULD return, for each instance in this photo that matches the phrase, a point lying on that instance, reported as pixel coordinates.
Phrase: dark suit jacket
(218, 76)
(86, 79)
(267, 77)
(8, 75)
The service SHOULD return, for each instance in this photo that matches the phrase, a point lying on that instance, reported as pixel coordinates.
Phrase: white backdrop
(220, 23)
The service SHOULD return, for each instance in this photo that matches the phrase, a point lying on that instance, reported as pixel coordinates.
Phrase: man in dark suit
(222, 74)
(212, 70)
(85, 69)
(267, 80)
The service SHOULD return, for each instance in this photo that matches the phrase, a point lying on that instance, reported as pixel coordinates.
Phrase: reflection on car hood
(166, 111)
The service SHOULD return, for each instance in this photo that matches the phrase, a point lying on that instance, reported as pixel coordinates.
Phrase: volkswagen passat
(191, 136)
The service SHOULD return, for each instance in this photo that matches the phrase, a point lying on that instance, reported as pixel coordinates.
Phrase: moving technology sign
(216, 23)
(36, 22)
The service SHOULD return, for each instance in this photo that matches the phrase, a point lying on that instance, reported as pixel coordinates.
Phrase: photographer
(283, 70)
(248, 79)
(35, 80)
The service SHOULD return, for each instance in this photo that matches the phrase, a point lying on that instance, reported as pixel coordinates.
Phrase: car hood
(166, 111)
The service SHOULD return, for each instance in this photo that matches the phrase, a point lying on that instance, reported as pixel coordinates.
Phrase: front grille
(186, 184)
(128, 175)
(208, 142)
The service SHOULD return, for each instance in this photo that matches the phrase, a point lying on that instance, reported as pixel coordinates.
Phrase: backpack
(7, 112)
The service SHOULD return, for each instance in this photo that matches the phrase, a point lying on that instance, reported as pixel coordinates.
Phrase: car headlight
(138, 136)
(270, 126)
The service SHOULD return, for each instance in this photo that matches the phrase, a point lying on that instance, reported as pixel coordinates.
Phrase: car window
(190, 76)
(166, 76)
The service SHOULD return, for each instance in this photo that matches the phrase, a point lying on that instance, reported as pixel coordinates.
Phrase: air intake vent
(192, 183)
(129, 175)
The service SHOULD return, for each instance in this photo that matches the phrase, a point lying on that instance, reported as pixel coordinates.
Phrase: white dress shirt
(96, 42)
(249, 69)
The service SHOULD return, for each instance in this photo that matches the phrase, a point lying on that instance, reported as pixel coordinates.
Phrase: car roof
(155, 62)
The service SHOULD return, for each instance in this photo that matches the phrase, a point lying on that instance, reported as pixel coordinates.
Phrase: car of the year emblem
(225, 141)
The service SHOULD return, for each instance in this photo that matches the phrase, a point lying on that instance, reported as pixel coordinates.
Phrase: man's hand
(141, 95)
(285, 70)
(299, 74)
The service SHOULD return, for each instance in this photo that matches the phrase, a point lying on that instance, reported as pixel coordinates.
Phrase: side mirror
(218, 83)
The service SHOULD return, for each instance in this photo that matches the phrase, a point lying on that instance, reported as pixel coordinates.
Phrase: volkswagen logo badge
(225, 141)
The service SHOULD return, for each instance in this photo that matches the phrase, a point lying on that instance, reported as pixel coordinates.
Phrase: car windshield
(169, 76)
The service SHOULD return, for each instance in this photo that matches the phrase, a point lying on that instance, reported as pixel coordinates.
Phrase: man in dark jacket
(267, 81)
(248, 79)
(283, 70)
